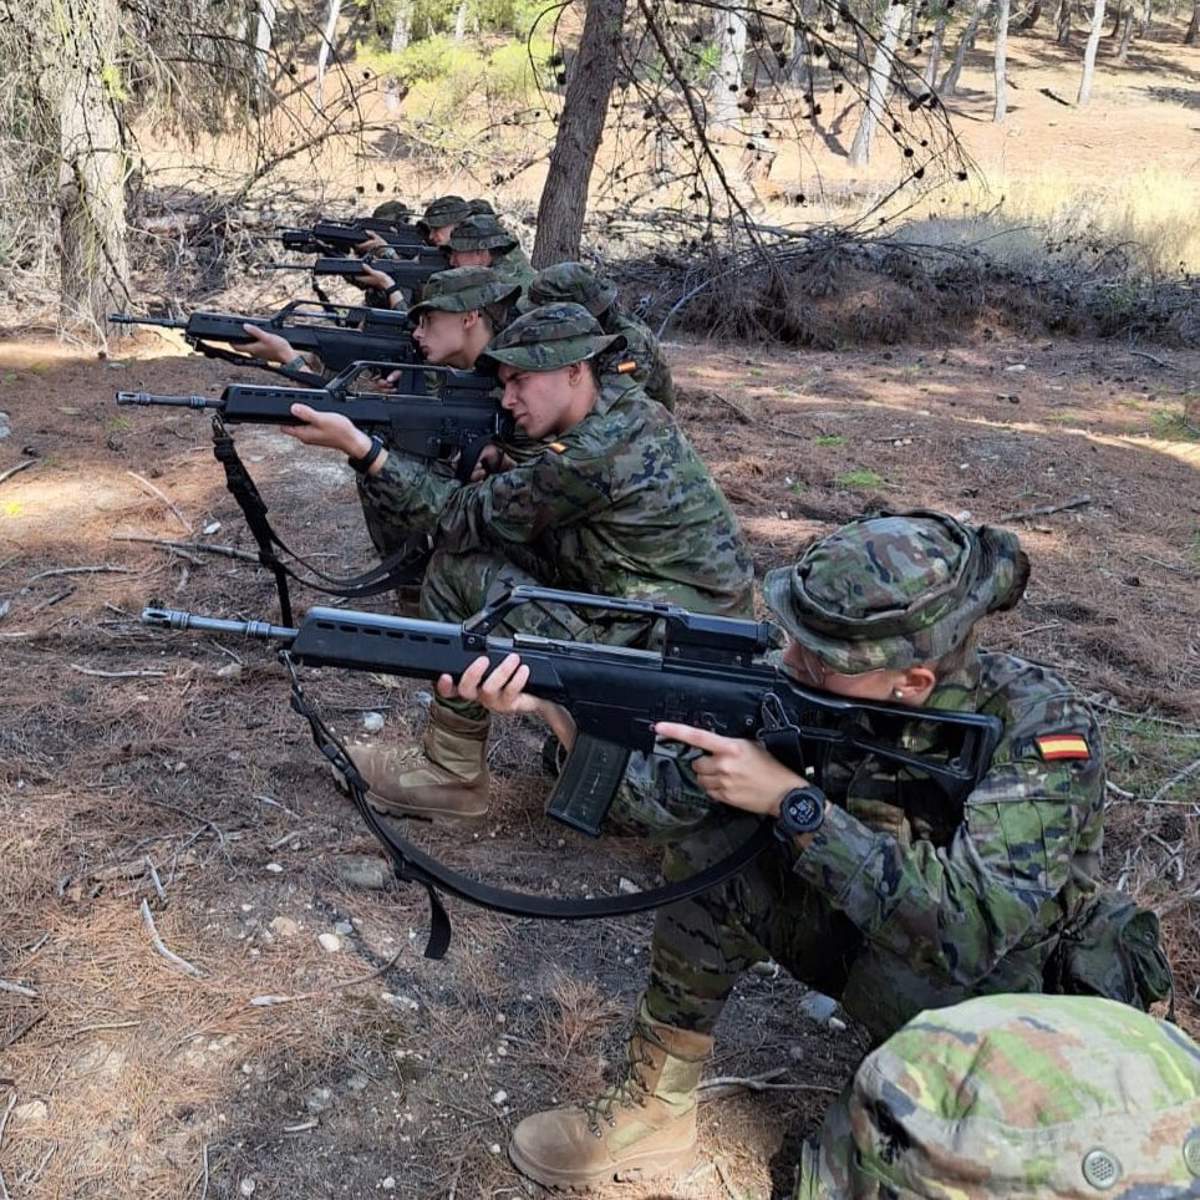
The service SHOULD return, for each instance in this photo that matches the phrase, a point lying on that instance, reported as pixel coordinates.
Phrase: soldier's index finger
(702, 739)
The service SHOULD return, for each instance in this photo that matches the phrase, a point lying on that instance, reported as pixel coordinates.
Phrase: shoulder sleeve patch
(627, 367)
(558, 447)
(1053, 747)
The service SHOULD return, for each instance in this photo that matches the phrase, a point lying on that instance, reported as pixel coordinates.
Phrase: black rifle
(340, 334)
(327, 236)
(435, 413)
(709, 673)
(410, 275)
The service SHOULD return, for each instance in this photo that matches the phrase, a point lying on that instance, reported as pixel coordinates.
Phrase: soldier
(577, 283)
(617, 501)
(441, 215)
(880, 893)
(481, 241)
(1017, 1096)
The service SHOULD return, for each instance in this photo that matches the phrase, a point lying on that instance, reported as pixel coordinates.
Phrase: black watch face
(804, 808)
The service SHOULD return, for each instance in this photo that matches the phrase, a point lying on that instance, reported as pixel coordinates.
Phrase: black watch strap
(802, 811)
(363, 465)
(391, 291)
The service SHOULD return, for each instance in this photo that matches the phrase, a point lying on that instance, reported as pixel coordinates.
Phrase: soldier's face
(470, 258)
(541, 402)
(913, 684)
(440, 335)
(441, 235)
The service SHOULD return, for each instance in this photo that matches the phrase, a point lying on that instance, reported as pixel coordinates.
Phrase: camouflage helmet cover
(1017, 1096)
(550, 337)
(464, 289)
(481, 232)
(392, 210)
(571, 283)
(445, 210)
(897, 589)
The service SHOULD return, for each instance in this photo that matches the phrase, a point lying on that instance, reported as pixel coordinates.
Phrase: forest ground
(122, 747)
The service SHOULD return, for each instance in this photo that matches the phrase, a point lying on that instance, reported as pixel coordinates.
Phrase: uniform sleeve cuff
(840, 861)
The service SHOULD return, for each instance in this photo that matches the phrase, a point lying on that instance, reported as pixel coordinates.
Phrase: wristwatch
(363, 465)
(801, 811)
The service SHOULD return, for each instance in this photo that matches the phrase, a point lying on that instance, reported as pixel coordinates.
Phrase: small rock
(34, 1110)
(627, 886)
(274, 868)
(372, 722)
(113, 365)
(285, 927)
(229, 671)
(318, 1100)
(344, 928)
(400, 1001)
(212, 527)
(499, 1096)
(247, 1186)
(358, 1083)
(330, 942)
(494, 1148)
(818, 1007)
(389, 1183)
(363, 871)
(1016, 369)
(837, 1024)
(423, 698)
(768, 969)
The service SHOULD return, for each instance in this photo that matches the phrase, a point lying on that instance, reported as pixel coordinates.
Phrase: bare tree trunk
(402, 26)
(1000, 67)
(1089, 54)
(934, 61)
(327, 36)
(94, 268)
(460, 21)
(1126, 34)
(580, 128)
(1066, 10)
(1193, 30)
(1031, 18)
(799, 69)
(264, 30)
(881, 72)
(725, 92)
(950, 83)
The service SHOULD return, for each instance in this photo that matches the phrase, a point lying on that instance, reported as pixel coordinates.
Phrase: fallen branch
(267, 1001)
(737, 410)
(181, 964)
(116, 674)
(726, 1085)
(166, 544)
(158, 887)
(12, 1102)
(1178, 777)
(19, 467)
(164, 498)
(18, 989)
(14, 1038)
(105, 569)
(1160, 362)
(1046, 510)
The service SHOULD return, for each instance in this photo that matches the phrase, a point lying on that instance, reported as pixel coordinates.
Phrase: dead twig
(104, 569)
(1046, 510)
(14, 1038)
(204, 1189)
(18, 989)
(1178, 777)
(116, 674)
(737, 410)
(303, 1127)
(727, 1085)
(267, 1001)
(158, 887)
(50, 601)
(165, 544)
(1158, 362)
(181, 964)
(12, 1102)
(29, 462)
(187, 525)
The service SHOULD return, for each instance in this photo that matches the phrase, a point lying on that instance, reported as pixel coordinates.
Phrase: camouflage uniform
(460, 290)
(1017, 1096)
(620, 504)
(484, 232)
(903, 901)
(577, 283)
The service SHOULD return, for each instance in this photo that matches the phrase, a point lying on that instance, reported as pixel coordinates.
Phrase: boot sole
(386, 808)
(647, 1166)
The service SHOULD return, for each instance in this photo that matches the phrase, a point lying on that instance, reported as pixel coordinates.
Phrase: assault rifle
(709, 673)
(411, 275)
(340, 334)
(328, 236)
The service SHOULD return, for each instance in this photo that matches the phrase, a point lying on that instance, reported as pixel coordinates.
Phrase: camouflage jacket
(962, 886)
(652, 373)
(514, 265)
(620, 505)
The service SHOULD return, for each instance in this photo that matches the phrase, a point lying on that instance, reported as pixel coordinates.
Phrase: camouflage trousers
(701, 946)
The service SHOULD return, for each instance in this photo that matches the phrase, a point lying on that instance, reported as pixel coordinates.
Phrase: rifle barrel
(128, 319)
(149, 399)
(174, 618)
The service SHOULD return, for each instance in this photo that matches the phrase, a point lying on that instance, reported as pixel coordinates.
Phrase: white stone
(330, 942)
(212, 527)
(247, 1186)
(627, 886)
(34, 1110)
(499, 1096)
(372, 722)
(344, 928)
(274, 868)
(494, 1148)
(389, 1183)
(285, 927)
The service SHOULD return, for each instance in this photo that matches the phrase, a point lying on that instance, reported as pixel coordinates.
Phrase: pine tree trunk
(402, 26)
(1089, 55)
(580, 128)
(881, 72)
(264, 30)
(1193, 30)
(94, 268)
(726, 90)
(1000, 61)
(934, 61)
(327, 38)
(799, 71)
(460, 21)
(950, 83)
(1066, 10)
(1126, 35)
(1032, 17)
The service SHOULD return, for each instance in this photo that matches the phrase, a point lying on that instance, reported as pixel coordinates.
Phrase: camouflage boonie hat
(896, 590)
(445, 210)
(392, 210)
(479, 207)
(570, 283)
(481, 232)
(462, 289)
(1023, 1096)
(546, 338)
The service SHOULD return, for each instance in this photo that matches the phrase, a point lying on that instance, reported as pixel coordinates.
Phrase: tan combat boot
(643, 1126)
(445, 778)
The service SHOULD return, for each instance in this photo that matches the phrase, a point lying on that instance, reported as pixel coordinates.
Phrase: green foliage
(514, 16)
(1172, 426)
(861, 479)
(511, 75)
(831, 439)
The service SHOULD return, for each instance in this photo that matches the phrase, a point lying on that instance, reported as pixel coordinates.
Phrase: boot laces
(630, 1091)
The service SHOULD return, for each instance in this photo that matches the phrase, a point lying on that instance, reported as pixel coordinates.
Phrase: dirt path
(120, 748)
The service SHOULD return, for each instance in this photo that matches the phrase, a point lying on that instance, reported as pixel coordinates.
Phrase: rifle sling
(397, 570)
(415, 866)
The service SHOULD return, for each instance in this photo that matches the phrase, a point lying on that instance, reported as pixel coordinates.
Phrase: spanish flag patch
(1055, 746)
(627, 367)
(559, 447)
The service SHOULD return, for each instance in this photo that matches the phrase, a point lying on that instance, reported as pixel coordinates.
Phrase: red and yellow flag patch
(627, 367)
(1055, 746)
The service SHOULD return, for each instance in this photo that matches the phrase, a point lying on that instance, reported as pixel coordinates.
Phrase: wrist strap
(296, 363)
(391, 291)
(363, 465)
